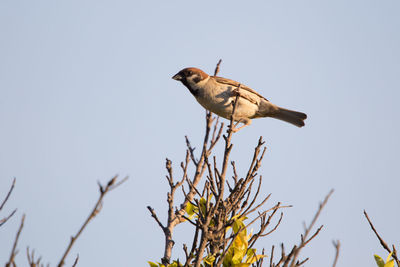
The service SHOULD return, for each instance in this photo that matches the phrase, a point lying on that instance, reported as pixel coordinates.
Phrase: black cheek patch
(197, 79)
(193, 92)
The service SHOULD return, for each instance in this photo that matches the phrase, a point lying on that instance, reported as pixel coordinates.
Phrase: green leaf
(379, 261)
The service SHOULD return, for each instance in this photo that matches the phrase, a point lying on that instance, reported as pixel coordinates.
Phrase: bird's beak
(177, 77)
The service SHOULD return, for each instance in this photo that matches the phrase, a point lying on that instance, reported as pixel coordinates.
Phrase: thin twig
(191, 150)
(112, 184)
(14, 248)
(336, 244)
(217, 67)
(383, 243)
(31, 259)
(4, 220)
(304, 238)
(8, 194)
(275, 227)
(154, 215)
(76, 260)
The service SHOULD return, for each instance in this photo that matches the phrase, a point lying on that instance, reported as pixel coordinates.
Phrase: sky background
(86, 93)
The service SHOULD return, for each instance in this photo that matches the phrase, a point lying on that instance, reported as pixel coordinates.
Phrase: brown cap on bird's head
(187, 72)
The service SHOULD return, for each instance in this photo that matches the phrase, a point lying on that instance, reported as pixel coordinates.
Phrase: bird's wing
(249, 96)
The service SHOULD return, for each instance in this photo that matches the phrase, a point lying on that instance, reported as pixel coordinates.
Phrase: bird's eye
(190, 73)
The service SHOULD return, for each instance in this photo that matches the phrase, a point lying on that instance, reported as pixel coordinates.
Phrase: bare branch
(31, 259)
(8, 194)
(245, 213)
(272, 256)
(14, 248)
(111, 185)
(76, 260)
(383, 243)
(215, 138)
(191, 150)
(4, 220)
(154, 215)
(275, 227)
(304, 238)
(217, 67)
(336, 244)
(305, 242)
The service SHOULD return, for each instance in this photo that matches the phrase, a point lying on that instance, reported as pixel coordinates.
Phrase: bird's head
(191, 77)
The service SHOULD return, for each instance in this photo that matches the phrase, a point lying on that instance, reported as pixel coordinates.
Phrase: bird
(218, 94)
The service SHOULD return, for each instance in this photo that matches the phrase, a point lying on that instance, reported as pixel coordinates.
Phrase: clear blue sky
(86, 93)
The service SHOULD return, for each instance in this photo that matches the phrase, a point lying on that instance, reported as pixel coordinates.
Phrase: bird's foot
(245, 122)
(235, 130)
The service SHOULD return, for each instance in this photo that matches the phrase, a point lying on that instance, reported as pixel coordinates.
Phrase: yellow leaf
(209, 259)
(189, 208)
(388, 257)
(251, 252)
(239, 225)
(238, 255)
(240, 242)
(390, 263)
(235, 217)
(250, 255)
(203, 204)
(152, 264)
(228, 258)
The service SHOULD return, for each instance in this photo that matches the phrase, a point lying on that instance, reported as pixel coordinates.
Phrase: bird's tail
(290, 116)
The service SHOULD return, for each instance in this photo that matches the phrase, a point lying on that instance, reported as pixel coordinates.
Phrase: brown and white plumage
(216, 94)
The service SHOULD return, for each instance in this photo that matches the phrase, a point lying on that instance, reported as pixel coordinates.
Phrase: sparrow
(217, 94)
